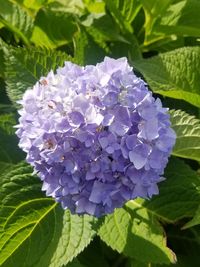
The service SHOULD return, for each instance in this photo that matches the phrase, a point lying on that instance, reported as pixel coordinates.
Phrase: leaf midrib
(24, 204)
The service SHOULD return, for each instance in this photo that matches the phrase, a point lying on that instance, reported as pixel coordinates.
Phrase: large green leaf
(124, 12)
(106, 33)
(175, 74)
(153, 10)
(34, 230)
(86, 50)
(16, 19)
(24, 67)
(53, 29)
(181, 18)
(137, 225)
(77, 232)
(104, 29)
(132, 228)
(187, 129)
(164, 22)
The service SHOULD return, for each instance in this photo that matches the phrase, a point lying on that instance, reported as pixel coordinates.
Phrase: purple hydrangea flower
(95, 135)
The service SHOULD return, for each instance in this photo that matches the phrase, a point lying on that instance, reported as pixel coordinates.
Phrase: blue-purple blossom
(95, 135)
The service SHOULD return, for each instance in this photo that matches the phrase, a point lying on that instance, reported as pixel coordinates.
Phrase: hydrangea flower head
(95, 135)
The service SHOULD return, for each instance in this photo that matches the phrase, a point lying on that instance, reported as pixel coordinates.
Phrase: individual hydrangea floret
(95, 135)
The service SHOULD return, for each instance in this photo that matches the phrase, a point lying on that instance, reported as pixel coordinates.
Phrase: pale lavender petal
(138, 156)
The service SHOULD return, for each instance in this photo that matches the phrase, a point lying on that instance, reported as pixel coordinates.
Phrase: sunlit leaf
(175, 74)
(16, 19)
(53, 29)
(34, 230)
(187, 129)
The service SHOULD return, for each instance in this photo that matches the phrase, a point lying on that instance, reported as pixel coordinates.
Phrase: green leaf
(106, 33)
(104, 29)
(181, 18)
(75, 7)
(153, 10)
(24, 67)
(179, 194)
(16, 19)
(167, 43)
(3, 51)
(86, 50)
(77, 233)
(32, 4)
(174, 74)
(53, 29)
(95, 6)
(10, 154)
(129, 9)
(131, 51)
(187, 128)
(124, 12)
(130, 229)
(34, 230)
(7, 121)
(195, 220)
